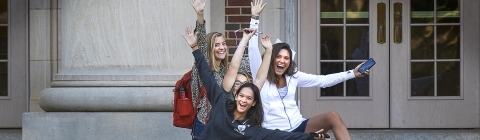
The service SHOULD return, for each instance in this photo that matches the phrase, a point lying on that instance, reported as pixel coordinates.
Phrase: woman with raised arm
(242, 117)
(278, 95)
(233, 78)
(214, 47)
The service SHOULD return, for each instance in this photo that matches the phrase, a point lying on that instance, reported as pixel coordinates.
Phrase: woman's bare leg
(327, 121)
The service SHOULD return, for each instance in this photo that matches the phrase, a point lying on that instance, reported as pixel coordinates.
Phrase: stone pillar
(105, 69)
(110, 55)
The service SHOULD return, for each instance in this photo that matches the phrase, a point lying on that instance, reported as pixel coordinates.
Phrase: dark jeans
(197, 127)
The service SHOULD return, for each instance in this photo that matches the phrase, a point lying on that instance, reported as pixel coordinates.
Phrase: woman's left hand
(191, 38)
(357, 73)
(257, 7)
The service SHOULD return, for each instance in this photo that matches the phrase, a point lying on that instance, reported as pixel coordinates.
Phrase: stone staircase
(157, 125)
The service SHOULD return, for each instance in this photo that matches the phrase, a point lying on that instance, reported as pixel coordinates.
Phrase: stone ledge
(101, 126)
(158, 125)
(104, 99)
(414, 134)
(11, 134)
(61, 84)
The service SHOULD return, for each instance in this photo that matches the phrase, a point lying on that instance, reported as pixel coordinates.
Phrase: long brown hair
(211, 51)
(271, 77)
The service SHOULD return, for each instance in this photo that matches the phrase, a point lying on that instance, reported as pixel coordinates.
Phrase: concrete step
(10, 134)
(158, 125)
(416, 134)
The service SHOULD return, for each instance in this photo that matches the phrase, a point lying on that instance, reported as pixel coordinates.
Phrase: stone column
(105, 69)
(113, 55)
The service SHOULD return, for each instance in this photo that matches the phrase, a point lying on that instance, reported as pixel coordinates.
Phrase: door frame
(16, 102)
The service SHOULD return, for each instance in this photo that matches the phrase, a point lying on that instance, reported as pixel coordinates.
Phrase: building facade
(126, 55)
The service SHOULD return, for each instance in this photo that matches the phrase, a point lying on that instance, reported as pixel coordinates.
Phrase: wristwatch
(255, 17)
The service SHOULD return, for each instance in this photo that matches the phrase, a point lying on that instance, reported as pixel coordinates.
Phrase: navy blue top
(221, 124)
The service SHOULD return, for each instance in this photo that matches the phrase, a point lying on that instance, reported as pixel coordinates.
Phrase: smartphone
(366, 66)
(318, 135)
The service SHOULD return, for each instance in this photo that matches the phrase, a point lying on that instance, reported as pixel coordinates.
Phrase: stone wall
(109, 48)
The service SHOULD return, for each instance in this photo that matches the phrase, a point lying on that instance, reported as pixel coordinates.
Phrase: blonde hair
(211, 51)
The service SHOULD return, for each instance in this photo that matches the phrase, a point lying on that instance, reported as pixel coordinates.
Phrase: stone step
(158, 125)
(10, 134)
(416, 134)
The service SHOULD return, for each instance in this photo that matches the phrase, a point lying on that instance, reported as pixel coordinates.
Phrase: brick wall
(237, 15)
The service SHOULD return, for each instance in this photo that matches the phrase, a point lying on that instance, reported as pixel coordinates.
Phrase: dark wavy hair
(255, 113)
(291, 69)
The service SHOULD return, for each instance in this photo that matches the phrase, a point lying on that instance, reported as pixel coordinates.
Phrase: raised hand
(191, 38)
(248, 32)
(198, 6)
(266, 43)
(257, 7)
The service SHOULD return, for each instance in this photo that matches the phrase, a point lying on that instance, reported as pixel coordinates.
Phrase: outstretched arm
(199, 7)
(263, 70)
(229, 78)
(206, 74)
(323, 81)
(253, 50)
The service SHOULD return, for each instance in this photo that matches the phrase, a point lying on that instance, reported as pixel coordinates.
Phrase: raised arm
(199, 7)
(263, 70)
(253, 50)
(206, 74)
(229, 78)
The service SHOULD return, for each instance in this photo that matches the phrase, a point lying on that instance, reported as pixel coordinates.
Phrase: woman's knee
(332, 115)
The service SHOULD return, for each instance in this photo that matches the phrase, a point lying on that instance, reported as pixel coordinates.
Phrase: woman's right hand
(247, 34)
(191, 38)
(266, 43)
(198, 6)
(321, 136)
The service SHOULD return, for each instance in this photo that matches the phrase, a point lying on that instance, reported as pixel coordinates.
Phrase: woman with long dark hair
(242, 117)
(278, 94)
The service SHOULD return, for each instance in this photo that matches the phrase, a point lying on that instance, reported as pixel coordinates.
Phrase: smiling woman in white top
(278, 93)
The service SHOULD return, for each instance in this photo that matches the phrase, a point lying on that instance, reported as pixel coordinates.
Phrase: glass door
(343, 36)
(427, 69)
(3, 49)
(434, 64)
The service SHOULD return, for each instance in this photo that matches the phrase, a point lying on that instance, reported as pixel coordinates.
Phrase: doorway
(426, 68)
